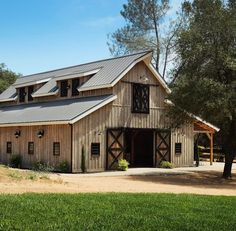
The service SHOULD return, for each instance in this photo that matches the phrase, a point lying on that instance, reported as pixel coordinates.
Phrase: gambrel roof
(105, 73)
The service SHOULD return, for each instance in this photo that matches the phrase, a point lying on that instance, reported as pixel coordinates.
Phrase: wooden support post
(211, 148)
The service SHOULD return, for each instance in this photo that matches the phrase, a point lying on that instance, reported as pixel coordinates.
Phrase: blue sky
(40, 35)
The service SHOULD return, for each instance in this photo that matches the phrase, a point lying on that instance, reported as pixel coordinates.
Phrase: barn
(112, 109)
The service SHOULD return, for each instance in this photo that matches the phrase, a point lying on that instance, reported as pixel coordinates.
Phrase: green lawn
(117, 212)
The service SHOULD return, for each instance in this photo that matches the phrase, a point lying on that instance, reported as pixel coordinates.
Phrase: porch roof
(66, 111)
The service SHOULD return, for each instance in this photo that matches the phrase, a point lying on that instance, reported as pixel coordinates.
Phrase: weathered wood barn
(114, 108)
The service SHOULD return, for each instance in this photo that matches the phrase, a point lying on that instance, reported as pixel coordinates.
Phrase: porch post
(211, 148)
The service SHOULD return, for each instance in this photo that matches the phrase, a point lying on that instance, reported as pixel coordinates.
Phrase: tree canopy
(205, 77)
(142, 30)
(7, 77)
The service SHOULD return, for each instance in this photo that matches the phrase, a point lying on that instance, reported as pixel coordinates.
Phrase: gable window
(75, 85)
(64, 88)
(95, 149)
(22, 94)
(178, 148)
(140, 102)
(30, 148)
(30, 92)
(9, 147)
(56, 148)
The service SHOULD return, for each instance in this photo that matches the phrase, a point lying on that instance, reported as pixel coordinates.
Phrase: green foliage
(43, 167)
(31, 176)
(83, 160)
(7, 77)
(142, 30)
(63, 167)
(15, 175)
(15, 161)
(117, 211)
(123, 165)
(205, 77)
(166, 164)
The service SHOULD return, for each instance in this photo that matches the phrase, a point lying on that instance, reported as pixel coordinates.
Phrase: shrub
(123, 165)
(166, 164)
(15, 161)
(64, 166)
(43, 167)
(83, 165)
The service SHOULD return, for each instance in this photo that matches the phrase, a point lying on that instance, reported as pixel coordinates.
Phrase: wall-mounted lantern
(144, 78)
(17, 133)
(68, 86)
(40, 133)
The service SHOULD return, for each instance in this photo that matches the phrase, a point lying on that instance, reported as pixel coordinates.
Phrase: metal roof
(105, 72)
(54, 112)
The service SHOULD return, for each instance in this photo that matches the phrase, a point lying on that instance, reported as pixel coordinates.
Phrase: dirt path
(197, 182)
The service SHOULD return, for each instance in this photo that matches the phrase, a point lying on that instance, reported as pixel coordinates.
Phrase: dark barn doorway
(139, 147)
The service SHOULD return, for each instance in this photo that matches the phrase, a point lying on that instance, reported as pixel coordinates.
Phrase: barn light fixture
(144, 78)
(68, 87)
(17, 133)
(40, 133)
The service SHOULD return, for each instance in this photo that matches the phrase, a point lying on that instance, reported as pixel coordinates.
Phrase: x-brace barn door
(115, 147)
(162, 146)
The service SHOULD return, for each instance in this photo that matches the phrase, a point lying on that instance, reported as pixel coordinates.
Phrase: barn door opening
(162, 144)
(115, 147)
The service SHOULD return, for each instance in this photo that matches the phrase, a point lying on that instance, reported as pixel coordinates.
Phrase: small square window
(56, 148)
(95, 149)
(9, 147)
(178, 148)
(30, 148)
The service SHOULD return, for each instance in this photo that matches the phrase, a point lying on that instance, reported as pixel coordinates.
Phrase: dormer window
(30, 92)
(22, 94)
(75, 85)
(64, 88)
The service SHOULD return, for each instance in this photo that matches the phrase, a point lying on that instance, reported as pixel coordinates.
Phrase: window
(75, 85)
(30, 92)
(64, 88)
(30, 148)
(95, 149)
(22, 94)
(56, 148)
(178, 148)
(140, 98)
(9, 147)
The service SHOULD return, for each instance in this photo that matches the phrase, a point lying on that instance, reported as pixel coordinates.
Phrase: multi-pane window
(9, 147)
(64, 88)
(30, 92)
(22, 94)
(178, 148)
(56, 148)
(95, 149)
(31, 148)
(140, 102)
(75, 85)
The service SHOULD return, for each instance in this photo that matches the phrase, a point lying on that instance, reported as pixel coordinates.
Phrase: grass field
(117, 212)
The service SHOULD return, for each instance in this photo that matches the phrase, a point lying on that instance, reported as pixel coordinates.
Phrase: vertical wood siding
(118, 114)
(43, 147)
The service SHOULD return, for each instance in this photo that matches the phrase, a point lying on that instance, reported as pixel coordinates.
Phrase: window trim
(30, 152)
(140, 85)
(178, 148)
(64, 89)
(54, 148)
(98, 149)
(9, 149)
(74, 86)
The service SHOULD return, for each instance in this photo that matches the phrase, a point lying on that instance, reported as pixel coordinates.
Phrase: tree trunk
(228, 166)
